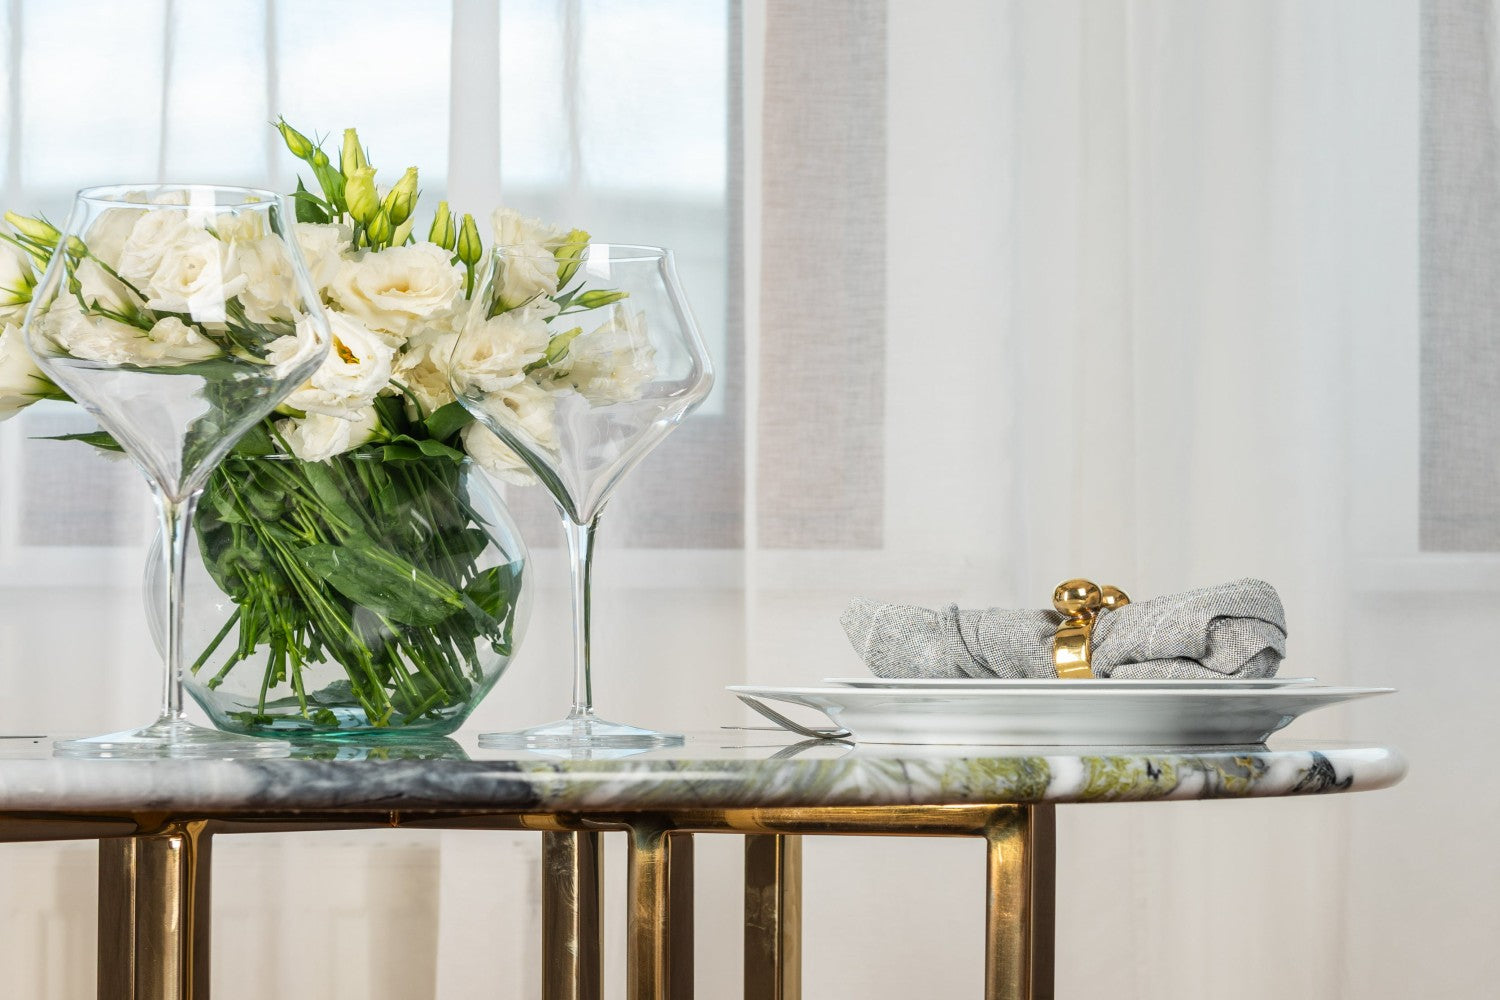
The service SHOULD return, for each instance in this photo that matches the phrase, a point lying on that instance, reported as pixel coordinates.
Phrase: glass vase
(364, 596)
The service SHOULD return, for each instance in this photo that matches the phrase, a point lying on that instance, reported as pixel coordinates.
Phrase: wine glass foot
(581, 732)
(167, 738)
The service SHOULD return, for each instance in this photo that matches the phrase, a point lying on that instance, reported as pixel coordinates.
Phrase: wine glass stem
(581, 551)
(176, 521)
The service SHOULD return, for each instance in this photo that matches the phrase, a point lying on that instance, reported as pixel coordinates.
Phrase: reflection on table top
(725, 769)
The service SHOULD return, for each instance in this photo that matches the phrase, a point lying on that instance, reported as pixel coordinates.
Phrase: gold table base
(154, 884)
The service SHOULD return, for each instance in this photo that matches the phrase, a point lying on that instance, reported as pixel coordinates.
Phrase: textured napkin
(1233, 630)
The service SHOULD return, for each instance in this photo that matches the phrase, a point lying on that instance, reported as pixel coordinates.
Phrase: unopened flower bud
(569, 255)
(353, 155)
(360, 195)
(469, 248)
(599, 297)
(442, 232)
(300, 145)
(37, 229)
(401, 200)
(380, 229)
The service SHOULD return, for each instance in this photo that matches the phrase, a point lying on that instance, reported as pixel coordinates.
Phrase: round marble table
(155, 821)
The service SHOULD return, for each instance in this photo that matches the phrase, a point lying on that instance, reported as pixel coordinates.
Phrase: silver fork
(818, 733)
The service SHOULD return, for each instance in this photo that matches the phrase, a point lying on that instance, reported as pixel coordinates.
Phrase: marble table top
(724, 769)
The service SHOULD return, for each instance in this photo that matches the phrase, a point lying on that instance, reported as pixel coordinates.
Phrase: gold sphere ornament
(1075, 598)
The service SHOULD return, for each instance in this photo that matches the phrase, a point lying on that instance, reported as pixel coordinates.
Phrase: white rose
(236, 227)
(109, 233)
(323, 247)
(270, 294)
(21, 381)
(16, 282)
(192, 278)
(423, 368)
(318, 437)
(153, 234)
(357, 367)
(400, 290)
(611, 364)
(495, 456)
(101, 290)
(511, 228)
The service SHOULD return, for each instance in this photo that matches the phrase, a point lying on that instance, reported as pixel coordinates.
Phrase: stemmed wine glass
(623, 364)
(179, 316)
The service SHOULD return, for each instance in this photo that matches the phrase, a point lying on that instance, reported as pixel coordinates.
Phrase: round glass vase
(377, 594)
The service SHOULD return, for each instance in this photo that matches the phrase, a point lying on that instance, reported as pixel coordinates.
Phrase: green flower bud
(442, 232)
(569, 255)
(380, 229)
(37, 229)
(401, 200)
(403, 231)
(360, 195)
(599, 297)
(353, 156)
(470, 248)
(300, 145)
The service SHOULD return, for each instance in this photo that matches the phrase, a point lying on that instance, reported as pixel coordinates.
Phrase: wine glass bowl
(179, 317)
(619, 363)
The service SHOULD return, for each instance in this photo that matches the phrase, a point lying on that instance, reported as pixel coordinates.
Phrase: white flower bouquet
(339, 529)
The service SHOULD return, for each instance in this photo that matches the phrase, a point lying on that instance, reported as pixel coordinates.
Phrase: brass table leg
(773, 917)
(1018, 905)
(660, 917)
(153, 915)
(572, 903)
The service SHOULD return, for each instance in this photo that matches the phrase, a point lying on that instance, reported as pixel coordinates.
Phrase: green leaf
(409, 449)
(448, 420)
(382, 582)
(309, 207)
(493, 591)
(256, 442)
(99, 439)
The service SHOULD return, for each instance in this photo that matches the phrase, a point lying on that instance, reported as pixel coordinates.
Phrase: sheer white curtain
(1002, 293)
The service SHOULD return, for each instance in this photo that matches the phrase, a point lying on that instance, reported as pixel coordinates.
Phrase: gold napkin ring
(1080, 602)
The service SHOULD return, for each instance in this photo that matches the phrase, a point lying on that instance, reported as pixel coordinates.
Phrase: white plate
(1077, 714)
(1040, 683)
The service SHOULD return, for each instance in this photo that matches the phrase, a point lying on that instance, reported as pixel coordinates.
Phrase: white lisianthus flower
(153, 234)
(357, 367)
(495, 456)
(101, 290)
(318, 437)
(171, 341)
(323, 246)
(611, 364)
(110, 232)
(91, 338)
(400, 290)
(511, 228)
(269, 293)
(493, 354)
(525, 274)
(16, 282)
(423, 368)
(192, 278)
(21, 381)
(237, 227)
(289, 352)
(526, 410)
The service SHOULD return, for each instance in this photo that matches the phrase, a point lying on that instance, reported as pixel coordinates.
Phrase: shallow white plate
(1074, 714)
(1038, 683)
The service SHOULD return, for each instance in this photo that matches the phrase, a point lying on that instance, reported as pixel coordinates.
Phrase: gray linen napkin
(1233, 630)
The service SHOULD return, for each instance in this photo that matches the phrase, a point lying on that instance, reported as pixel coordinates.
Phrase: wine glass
(620, 364)
(179, 316)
